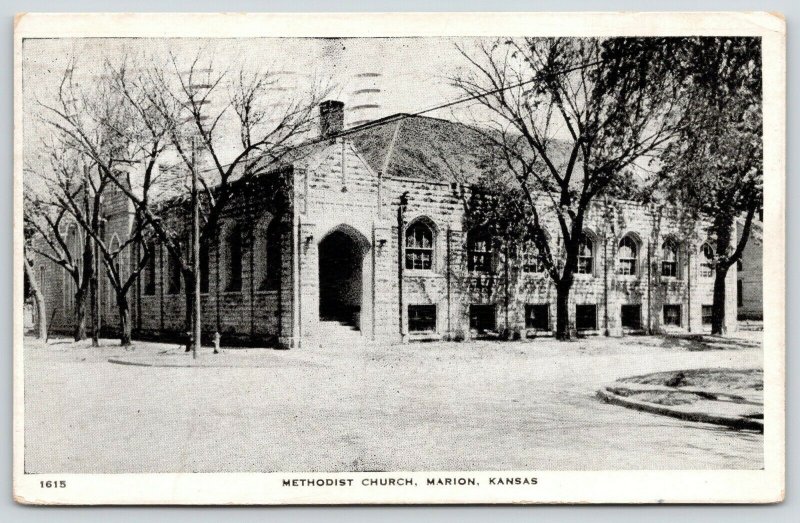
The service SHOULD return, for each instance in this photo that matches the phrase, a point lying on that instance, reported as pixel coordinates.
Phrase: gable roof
(412, 146)
(426, 148)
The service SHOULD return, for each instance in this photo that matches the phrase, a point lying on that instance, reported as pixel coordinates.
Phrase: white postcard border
(695, 486)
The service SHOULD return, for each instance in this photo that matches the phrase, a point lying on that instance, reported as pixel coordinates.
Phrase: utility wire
(403, 116)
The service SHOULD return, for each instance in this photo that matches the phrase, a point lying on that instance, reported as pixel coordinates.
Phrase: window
(739, 293)
(672, 315)
(419, 247)
(479, 252)
(585, 256)
(68, 290)
(150, 270)
(234, 260)
(174, 274)
(42, 274)
(422, 318)
(739, 265)
(631, 317)
(274, 255)
(669, 260)
(706, 261)
(537, 317)
(482, 318)
(627, 255)
(586, 317)
(707, 314)
(531, 259)
(70, 287)
(110, 291)
(204, 266)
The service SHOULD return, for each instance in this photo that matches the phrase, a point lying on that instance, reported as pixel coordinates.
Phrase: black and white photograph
(399, 268)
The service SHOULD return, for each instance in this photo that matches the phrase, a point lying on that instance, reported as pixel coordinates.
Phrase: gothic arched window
(627, 256)
(479, 251)
(204, 266)
(274, 255)
(419, 246)
(234, 260)
(669, 259)
(150, 268)
(586, 256)
(173, 274)
(706, 261)
(531, 259)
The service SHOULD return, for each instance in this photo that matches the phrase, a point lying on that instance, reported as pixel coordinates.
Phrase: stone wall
(334, 190)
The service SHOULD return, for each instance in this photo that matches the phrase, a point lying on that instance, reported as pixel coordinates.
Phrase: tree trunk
(124, 320)
(563, 327)
(38, 298)
(80, 315)
(718, 325)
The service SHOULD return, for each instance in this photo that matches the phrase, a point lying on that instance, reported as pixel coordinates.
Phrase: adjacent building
(749, 283)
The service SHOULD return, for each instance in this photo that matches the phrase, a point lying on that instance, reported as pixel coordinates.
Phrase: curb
(146, 364)
(733, 422)
(118, 361)
(195, 364)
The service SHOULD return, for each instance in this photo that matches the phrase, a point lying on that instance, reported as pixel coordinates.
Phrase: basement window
(422, 318)
(707, 314)
(482, 318)
(739, 293)
(537, 316)
(631, 317)
(672, 315)
(586, 317)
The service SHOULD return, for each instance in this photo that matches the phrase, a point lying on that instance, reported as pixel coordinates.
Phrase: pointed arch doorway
(343, 276)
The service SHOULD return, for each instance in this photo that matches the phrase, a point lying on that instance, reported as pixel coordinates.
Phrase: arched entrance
(341, 277)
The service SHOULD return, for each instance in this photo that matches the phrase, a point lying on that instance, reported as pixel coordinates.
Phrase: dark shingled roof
(425, 148)
(434, 149)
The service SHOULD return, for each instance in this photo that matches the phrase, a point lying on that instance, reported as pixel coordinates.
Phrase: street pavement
(437, 406)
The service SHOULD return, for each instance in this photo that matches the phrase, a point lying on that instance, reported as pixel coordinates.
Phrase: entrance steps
(332, 333)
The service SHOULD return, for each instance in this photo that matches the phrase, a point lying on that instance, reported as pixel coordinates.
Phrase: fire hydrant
(217, 337)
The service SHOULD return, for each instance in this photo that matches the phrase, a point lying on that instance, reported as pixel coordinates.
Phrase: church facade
(373, 245)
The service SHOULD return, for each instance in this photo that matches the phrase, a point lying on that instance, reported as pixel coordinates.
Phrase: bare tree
(269, 123)
(118, 143)
(569, 121)
(56, 237)
(123, 261)
(135, 118)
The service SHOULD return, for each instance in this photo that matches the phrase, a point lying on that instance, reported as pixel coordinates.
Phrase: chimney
(331, 118)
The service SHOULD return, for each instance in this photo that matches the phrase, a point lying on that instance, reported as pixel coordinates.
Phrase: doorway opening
(341, 279)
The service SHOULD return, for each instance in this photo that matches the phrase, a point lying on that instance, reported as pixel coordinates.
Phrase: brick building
(371, 244)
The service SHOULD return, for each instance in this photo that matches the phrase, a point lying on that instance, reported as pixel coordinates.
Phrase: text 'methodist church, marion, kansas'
(372, 244)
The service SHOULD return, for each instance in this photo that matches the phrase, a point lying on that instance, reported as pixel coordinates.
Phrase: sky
(411, 73)
(374, 77)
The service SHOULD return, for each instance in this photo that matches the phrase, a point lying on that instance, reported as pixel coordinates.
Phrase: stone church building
(372, 245)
